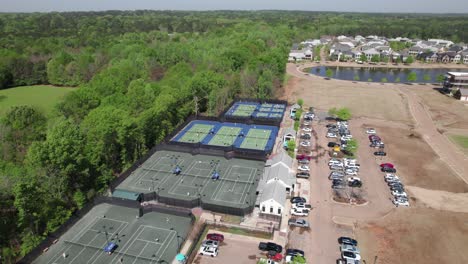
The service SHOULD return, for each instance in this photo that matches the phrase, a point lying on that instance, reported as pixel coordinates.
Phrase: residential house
(464, 55)
(446, 57)
(299, 55)
(370, 53)
(446, 43)
(337, 48)
(357, 54)
(415, 50)
(457, 58)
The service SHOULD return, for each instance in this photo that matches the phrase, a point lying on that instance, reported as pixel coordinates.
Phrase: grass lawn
(461, 141)
(44, 97)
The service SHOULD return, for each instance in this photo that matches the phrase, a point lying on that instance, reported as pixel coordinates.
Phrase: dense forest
(137, 74)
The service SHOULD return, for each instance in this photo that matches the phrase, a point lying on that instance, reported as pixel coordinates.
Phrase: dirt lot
(417, 236)
(364, 99)
(416, 162)
(448, 113)
(236, 249)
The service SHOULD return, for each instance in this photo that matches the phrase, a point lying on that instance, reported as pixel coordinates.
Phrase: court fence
(53, 237)
(253, 119)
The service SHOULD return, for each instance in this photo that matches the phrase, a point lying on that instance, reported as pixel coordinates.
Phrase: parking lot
(235, 249)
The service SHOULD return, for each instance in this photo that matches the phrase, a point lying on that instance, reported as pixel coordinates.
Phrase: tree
(426, 77)
(375, 58)
(385, 59)
(298, 260)
(352, 146)
(20, 126)
(384, 80)
(329, 73)
(409, 60)
(440, 78)
(291, 147)
(363, 57)
(356, 77)
(300, 102)
(398, 60)
(369, 80)
(343, 113)
(397, 80)
(332, 111)
(412, 77)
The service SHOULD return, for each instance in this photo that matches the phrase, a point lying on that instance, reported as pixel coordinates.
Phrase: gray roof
(282, 156)
(274, 190)
(289, 130)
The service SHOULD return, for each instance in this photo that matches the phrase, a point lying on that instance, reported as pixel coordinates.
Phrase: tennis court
(195, 132)
(257, 139)
(150, 239)
(225, 136)
(243, 109)
(235, 186)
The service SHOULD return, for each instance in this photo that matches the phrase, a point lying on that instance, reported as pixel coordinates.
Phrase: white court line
(172, 237)
(180, 184)
(244, 194)
(125, 224)
(78, 235)
(147, 241)
(126, 243)
(159, 249)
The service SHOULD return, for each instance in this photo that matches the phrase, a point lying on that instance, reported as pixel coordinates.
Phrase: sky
(384, 6)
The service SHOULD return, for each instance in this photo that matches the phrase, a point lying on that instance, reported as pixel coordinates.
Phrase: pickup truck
(270, 246)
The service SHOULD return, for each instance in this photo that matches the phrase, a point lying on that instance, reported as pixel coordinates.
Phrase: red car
(215, 237)
(387, 165)
(374, 138)
(303, 156)
(275, 256)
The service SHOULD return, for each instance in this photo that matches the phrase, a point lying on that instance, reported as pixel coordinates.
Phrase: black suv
(380, 153)
(298, 199)
(270, 247)
(304, 175)
(388, 169)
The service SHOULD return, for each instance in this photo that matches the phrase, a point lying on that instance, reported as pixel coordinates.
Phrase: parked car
(210, 243)
(335, 176)
(305, 136)
(349, 248)
(390, 165)
(300, 211)
(304, 175)
(388, 169)
(350, 255)
(306, 123)
(371, 131)
(298, 199)
(215, 237)
(333, 144)
(303, 161)
(348, 241)
(377, 144)
(374, 138)
(331, 135)
(399, 193)
(401, 202)
(208, 251)
(270, 246)
(380, 153)
(357, 184)
(305, 144)
(272, 255)
(336, 168)
(303, 156)
(303, 168)
(294, 252)
(352, 179)
(301, 206)
(338, 186)
(335, 162)
(307, 129)
(298, 222)
(351, 172)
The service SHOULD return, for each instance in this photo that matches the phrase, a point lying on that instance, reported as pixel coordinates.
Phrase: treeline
(134, 88)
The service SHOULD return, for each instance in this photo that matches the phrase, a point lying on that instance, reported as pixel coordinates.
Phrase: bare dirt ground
(363, 99)
(434, 229)
(415, 235)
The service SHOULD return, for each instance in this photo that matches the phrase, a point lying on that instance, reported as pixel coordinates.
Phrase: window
(271, 209)
(279, 210)
(263, 208)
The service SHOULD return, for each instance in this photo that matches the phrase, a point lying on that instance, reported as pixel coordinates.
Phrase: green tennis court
(148, 239)
(256, 139)
(196, 133)
(244, 110)
(225, 136)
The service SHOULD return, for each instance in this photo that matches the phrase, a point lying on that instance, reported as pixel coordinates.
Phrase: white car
(210, 243)
(331, 135)
(307, 129)
(335, 162)
(305, 144)
(305, 123)
(303, 168)
(208, 251)
(371, 131)
(401, 202)
(301, 206)
(352, 179)
(349, 248)
(300, 211)
(350, 255)
(399, 194)
(351, 172)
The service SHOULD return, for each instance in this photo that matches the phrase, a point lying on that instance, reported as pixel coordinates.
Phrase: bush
(300, 102)
(291, 146)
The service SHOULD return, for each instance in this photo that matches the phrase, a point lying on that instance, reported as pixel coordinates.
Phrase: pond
(378, 74)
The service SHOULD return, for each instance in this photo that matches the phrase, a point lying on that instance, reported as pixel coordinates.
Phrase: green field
(44, 97)
(461, 141)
